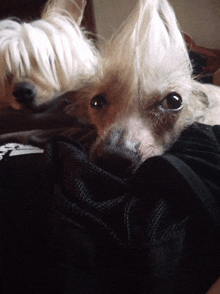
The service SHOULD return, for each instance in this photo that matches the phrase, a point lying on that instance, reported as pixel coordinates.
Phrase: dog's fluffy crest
(147, 40)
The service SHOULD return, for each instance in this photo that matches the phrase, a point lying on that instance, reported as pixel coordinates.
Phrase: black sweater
(68, 226)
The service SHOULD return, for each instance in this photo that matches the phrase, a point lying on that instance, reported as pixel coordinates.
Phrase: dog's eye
(98, 101)
(172, 101)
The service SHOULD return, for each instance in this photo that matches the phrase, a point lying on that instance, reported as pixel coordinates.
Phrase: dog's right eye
(98, 101)
(172, 102)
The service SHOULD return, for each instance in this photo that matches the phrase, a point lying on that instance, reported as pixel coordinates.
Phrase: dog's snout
(116, 153)
(24, 93)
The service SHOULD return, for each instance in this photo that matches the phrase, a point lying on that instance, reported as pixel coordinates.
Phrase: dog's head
(49, 56)
(140, 100)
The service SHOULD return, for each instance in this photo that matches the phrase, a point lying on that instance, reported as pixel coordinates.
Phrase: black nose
(24, 93)
(116, 154)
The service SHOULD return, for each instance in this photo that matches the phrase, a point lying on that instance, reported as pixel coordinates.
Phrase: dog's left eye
(172, 102)
(98, 101)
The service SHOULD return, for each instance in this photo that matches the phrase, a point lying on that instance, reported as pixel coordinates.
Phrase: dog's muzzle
(116, 154)
(24, 93)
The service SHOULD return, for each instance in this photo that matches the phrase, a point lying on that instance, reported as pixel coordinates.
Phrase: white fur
(206, 103)
(52, 52)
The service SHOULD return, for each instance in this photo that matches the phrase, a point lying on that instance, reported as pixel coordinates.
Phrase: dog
(42, 59)
(144, 95)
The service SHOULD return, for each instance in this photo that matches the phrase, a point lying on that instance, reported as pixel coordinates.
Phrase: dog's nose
(24, 93)
(116, 153)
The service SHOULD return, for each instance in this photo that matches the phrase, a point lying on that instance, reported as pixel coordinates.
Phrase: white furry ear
(150, 44)
(161, 46)
(73, 7)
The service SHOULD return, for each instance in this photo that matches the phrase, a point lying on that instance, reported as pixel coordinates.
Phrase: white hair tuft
(147, 40)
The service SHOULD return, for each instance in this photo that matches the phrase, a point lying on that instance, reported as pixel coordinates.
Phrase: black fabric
(67, 226)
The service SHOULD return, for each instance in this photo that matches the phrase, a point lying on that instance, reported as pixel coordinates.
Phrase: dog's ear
(73, 7)
(162, 47)
(150, 44)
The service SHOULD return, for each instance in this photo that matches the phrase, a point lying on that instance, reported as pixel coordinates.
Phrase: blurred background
(200, 19)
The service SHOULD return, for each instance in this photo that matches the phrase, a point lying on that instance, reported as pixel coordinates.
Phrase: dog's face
(140, 100)
(131, 125)
(42, 59)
